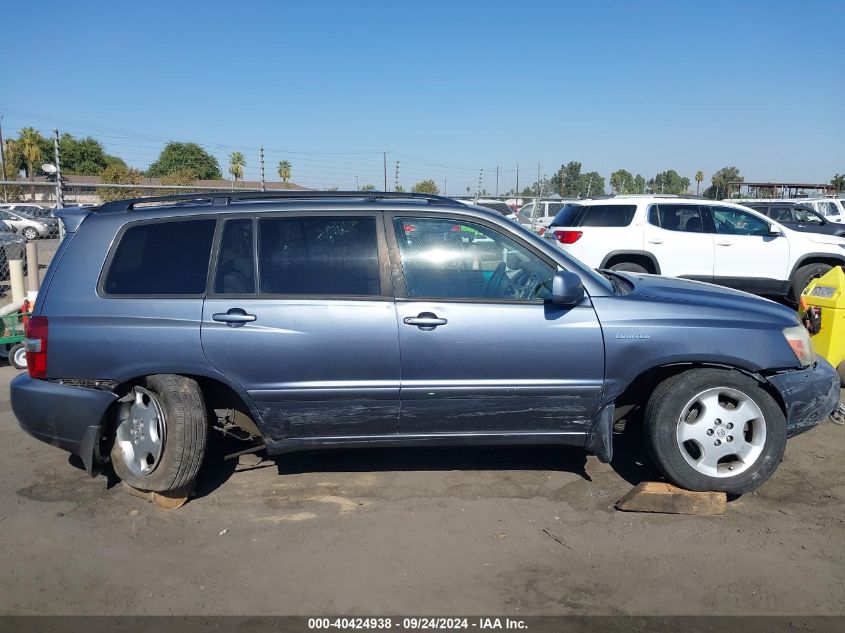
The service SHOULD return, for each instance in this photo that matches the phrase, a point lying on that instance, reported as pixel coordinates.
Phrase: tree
(719, 187)
(368, 188)
(670, 182)
(237, 162)
(622, 182)
(176, 156)
(426, 186)
(400, 189)
(115, 160)
(284, 170)
(181, 177)
(31, 148)
(115, 174)
(11, 172)
(639, 184)
(838, 182)
(85, 156)
(699, 176)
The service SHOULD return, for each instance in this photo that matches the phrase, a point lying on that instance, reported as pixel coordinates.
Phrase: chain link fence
(21, 223)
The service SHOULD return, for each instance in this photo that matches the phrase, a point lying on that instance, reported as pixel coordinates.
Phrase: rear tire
(30, 233)
(161, 434)
(628, 267)
(703, 425)
(803, 276)
(840, 369)
(17, 356)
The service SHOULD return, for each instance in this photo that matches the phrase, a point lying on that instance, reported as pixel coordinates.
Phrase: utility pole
(478, 191)
(497, 181)
(444, 186)
(517, 181)
(384, 155)
(396, 178)
(261, 162)
(60, 194)
(357, 188)
(3, 160)
(538, 181)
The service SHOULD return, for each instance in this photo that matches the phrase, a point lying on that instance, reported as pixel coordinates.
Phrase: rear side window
(318, 256)
(162, 258)
(676, 217)
(608, 215)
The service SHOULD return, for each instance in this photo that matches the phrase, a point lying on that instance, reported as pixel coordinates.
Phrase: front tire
(803, 276)
(161, 434)
(30, 233)
(628, 267)
(715, 429)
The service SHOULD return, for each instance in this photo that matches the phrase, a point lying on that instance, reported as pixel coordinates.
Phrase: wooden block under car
(163, 500)
(653, 496)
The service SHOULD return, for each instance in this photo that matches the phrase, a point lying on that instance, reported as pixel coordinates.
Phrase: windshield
(567, 215)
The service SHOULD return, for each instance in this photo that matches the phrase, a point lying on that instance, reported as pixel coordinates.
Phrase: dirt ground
(432, 532)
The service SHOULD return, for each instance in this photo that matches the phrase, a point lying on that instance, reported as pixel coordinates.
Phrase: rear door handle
(725, 243)
(656, 240)
(233, 317)
(425, 321)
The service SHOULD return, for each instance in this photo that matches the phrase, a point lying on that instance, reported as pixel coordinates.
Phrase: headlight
(799, 340)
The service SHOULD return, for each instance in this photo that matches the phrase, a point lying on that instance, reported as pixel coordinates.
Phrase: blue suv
(325, 320)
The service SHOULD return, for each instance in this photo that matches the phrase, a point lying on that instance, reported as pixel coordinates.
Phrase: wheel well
(217, 395)
(632, 258)
(816, 259)
(648, 381)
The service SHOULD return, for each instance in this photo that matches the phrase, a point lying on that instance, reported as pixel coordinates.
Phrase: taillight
(568, 237)
(36, 346)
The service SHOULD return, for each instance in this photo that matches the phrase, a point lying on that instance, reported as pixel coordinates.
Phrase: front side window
(807, 216)
(779, 214)
(454, 259)
(676, 217)
(162, 258)
(318, 256)
(730, 221)
(607, 215)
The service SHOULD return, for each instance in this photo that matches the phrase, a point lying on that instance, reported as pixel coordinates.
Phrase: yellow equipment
(823, 313)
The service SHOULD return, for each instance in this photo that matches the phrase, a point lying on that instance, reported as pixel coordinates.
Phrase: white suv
(717, 242)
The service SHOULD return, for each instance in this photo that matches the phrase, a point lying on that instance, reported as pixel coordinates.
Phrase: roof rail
(225, 197)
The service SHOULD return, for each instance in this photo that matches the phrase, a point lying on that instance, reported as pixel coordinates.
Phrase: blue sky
(446, 88)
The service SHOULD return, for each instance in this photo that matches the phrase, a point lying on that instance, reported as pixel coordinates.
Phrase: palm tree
(237, 162)
(30, 144)
(699, 176)
(284, 170)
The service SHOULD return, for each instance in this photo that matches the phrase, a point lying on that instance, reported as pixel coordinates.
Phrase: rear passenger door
(678, 236)
(300, 314)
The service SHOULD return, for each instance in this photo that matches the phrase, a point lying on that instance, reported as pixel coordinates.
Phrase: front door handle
(425, 321)
(234, 317)
(725, 243)
(655, 240)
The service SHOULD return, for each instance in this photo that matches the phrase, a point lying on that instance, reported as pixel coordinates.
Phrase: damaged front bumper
(810, 395)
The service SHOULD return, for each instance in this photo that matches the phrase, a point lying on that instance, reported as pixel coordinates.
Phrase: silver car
(18, 219)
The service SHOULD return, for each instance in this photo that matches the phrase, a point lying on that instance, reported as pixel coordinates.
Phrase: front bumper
(810, 395)
(61, 415)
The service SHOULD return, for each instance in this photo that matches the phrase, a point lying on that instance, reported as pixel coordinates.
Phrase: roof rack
(226, 197)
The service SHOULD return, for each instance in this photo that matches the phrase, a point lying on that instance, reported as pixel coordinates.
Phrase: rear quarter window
(161, 258)
(607, 215)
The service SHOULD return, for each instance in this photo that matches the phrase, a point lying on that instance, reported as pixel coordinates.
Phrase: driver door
(482, 350)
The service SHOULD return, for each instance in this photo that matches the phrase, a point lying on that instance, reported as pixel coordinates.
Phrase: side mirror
(567, 289)
(773, 230)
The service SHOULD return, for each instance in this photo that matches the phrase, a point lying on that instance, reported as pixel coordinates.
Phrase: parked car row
(30, 220)
(717, 242)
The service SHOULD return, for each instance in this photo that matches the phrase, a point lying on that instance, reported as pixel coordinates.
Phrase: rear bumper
(810, 395)
(64, 416)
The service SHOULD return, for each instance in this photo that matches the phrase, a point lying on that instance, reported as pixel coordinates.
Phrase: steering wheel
(494, 285)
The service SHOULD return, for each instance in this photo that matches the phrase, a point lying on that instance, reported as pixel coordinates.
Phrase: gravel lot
(434, 532)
